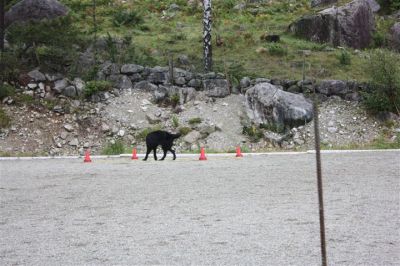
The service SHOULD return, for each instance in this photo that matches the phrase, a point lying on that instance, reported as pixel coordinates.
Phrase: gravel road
(258, 210)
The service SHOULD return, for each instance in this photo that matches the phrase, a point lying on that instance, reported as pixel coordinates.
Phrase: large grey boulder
(27, 10)
(374, 5)
(395, 36)
(333, 87)
(218, 88)
(268, 104)
(350, 25)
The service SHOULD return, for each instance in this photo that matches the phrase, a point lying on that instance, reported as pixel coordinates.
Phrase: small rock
(74, 142)
(152, 119)
(121, 133)
(63, 135)
(192, 137)
(332, 129)
(68, 127)
(32, 86)
(37, 75)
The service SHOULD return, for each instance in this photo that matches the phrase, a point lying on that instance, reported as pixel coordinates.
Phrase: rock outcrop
(27, 10)
(350, 25)
(395, 36)
(268, 104)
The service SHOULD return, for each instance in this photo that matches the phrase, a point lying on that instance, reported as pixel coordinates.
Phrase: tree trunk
(2, 14)
(207, 22)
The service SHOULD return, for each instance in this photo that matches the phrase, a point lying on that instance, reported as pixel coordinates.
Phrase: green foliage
(273, 127)
(174, 99)
(24, 99)
(277, 49)
(185, 130)
(344, 57)
(10, 66)
(194, 121)
(92, 87)
(123, 17)
(254, 132)
(45, 44)
(379, 39)
(114, 148)
(6, 90)
(4, 119)
(389, 6)
(384, 71)
(175, 121)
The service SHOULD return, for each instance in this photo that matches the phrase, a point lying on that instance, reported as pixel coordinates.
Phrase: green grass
(175, 121)
(194, 121)
(184, 130)
(5, 120)
(240, 31)
(380, 143)
(114, 148)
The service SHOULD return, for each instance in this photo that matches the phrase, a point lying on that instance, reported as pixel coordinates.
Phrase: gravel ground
(258, 210)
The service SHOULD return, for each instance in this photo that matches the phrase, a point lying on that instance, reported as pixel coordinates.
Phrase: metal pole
(319, 178)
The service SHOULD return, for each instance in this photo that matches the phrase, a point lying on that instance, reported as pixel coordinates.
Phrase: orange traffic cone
(87, 157)
(202, 155)
(238, 152)
(134, 155)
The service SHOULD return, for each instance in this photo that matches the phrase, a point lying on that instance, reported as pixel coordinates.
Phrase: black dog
(162, 138)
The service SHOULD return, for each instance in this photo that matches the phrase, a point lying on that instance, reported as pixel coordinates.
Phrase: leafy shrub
(4, 119)
(9, 65)
(184, 130)
(175, 121)
(127, 18)
(6, 90)
(379, 39)
(114, 148)
(277, 49)
(174, 99)
(344, 57)
(389, 6)
(273, 127)
(384, 71)
(38, 42)
(254, 132)
(196, 120)
(92, 87)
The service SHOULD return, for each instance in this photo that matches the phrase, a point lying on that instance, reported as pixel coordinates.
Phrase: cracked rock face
(350, 25)
(268, 104)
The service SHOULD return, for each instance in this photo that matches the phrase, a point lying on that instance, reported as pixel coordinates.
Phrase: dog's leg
(155, 153)
(147, 154)
(165, 154)
(173, 153)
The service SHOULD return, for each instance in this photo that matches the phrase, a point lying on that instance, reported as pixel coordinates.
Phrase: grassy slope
(241, 31)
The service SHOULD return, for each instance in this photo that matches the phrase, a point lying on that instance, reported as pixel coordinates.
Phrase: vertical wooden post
(2, 24)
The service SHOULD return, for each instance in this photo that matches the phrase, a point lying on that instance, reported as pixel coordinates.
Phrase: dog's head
(175, 136)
